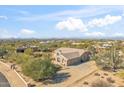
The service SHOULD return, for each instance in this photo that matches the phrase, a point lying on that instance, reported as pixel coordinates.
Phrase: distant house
(34, 48)
(45, 42)
(21, 49)
(70, 56)
(106, 45)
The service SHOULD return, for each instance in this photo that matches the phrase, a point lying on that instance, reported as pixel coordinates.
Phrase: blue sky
(61, 21)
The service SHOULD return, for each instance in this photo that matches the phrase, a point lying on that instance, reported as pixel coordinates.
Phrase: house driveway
(71, 74)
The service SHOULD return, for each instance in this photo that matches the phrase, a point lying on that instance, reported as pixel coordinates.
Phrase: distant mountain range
(74, 38)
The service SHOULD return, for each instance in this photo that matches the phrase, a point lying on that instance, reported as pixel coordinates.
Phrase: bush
(39, 69)
(101, 83)
(102, 76)
(105, 74)
(97, 74)
(120, 74)
(110, 80)
(29, 51)
(22, 58)
(85, 83)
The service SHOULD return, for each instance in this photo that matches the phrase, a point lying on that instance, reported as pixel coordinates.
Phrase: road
(14, 79)
(3, 81)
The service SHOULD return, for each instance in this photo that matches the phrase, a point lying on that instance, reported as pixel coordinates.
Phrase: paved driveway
(72, 74)
(3, 81)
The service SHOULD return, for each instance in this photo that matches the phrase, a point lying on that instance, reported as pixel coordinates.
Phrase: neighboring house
(21, 49)
(106, 45)
(70, 56)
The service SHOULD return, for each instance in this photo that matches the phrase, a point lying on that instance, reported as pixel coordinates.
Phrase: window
(58, 59)
(62, 60)
(57, 53)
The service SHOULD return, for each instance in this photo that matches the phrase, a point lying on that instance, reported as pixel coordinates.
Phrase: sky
(59, 21)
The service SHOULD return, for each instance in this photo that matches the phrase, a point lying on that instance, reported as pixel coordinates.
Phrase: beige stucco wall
(63, 60)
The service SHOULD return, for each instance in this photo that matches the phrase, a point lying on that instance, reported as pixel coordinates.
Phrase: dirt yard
(83, 75)
(99, 75)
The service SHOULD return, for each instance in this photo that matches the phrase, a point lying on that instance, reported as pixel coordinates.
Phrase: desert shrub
(97, 74)
(31, 85)
(120, 74)
(105, 74)
(85, 83)
(110, 80)
(102, 76)
(101, 83)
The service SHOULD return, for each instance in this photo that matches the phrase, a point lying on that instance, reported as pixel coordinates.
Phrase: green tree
(28, 51)
(109, 58)
(22, 58)
(39, 69)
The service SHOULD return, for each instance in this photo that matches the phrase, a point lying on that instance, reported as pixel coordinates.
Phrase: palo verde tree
(39, 69)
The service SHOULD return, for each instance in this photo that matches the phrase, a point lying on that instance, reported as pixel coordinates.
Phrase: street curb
(21, 78)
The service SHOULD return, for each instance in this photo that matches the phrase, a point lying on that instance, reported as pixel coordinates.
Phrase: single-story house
(70, 56)
(21, 49)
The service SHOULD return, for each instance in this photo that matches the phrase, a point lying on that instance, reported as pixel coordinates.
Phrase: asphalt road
(3, 81)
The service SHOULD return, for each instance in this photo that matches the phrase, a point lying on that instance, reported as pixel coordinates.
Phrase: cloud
(123, 14)
(23, 33)
(87, 11)
(118, 34)
(5, 34)
(94, 34)
(107, 20)
(72, 24)
(26, 32)
(24, 12)
(4, 17)
(82, 12)
(65, 14)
